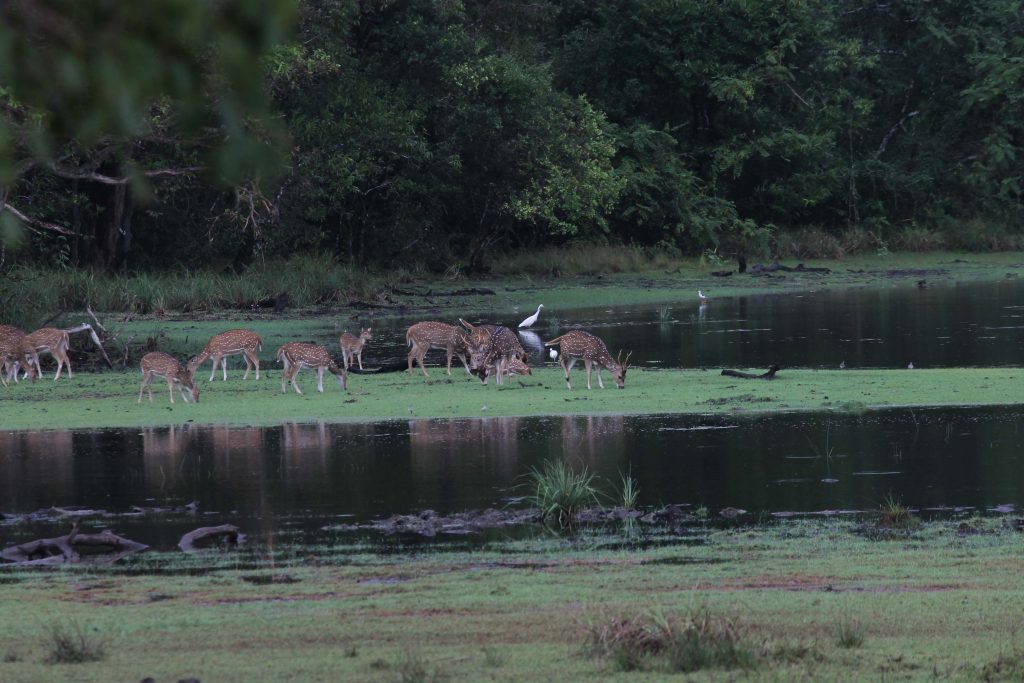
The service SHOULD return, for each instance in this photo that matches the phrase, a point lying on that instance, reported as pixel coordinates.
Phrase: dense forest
(210, 135)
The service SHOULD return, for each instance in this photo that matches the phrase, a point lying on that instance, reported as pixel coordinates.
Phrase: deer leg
(181, 390)
(224, 367)
(599, 382)
(566, 368)
(294, 373)
(170, 388)
(451, 350)
(284, 376)
(320, 379)
(248, 365)
(421, 354)
(142, 388)
(213, 373)
(412, 352)
(360, 357)
(256, 363)
(586, 364)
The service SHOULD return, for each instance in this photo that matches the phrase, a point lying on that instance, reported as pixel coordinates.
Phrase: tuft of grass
(849, 633)
(413, 668)
(664, 314)
(895, 515)
(677, 644)
(630, 491)
(69, 643)
(560, 492)
(493, 658)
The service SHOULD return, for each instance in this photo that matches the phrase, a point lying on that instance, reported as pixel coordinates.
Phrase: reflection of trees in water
(36, 468)
(596, 440)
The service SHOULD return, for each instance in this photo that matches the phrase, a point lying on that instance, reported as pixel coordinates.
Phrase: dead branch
(210, 534)
(82, 327)
(102, 547)
(747, 375)
(35, 223)
(115, 180)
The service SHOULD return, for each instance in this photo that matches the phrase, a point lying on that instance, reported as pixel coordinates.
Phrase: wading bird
(700, 295)
(532, 319)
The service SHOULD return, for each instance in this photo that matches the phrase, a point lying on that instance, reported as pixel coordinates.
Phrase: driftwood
(211, 534)
(82, 327)
(772, 369)
(102, 547)
(776, 266)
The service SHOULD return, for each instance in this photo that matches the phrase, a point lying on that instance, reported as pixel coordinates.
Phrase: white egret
(700, 295)
(532, 319)
(553, 353)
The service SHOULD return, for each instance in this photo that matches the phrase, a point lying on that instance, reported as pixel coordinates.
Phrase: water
(297, 478)
(979, 324)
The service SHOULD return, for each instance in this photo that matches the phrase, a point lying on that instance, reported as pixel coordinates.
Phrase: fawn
(578, 344)
(352, 347)
(297, 355)
(424, 336)
(230, 343)
(159, 364)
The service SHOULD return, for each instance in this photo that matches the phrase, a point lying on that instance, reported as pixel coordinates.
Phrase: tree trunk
(111, 224)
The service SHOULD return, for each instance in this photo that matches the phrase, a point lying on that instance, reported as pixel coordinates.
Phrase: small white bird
(842, 365)
(700, 295)
(554, 354)
(532, 319)
(910, 365)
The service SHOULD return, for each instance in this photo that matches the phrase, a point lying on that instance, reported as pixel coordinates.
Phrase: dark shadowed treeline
(441, 133)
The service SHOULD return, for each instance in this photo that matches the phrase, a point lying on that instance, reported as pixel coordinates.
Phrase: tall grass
(677, 644)
(560, 492)
(70, 644)
(308, 281)
(630, 491)
(584, 260)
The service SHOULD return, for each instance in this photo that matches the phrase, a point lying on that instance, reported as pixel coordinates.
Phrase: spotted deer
(577, 344)
(10, 352)
(424, 336)
(231, 343)
(515, 366)
(53, 341)
(500, 348)
(159, 364)
(352, 347)
(297, 355)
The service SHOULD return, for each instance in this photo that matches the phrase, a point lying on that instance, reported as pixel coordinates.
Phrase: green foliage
(561, 492)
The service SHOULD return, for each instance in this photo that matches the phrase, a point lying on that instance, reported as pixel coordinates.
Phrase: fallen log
(776, 266)
(772, 369)
(211, 534)
(102, 547)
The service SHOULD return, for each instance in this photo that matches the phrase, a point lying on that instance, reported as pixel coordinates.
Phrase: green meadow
(109, 399)
(818, 600)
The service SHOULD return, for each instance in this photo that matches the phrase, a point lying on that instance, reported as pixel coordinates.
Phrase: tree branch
(36, 224)
(111, 180)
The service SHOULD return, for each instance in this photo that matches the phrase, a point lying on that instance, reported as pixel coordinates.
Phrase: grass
(849, 633)
(109, 398)
(560, 492)
(776, 590)
(630, 491)
(70, 643)
(895, 515)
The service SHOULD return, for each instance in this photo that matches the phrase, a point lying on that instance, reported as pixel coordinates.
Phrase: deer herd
(484, 350)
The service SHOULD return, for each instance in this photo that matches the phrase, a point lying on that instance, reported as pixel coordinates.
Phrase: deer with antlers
(424, 336)
(580, 345)
(497, 352)
(160, 364)
(352, 347)
(231, 343)
(297, 355)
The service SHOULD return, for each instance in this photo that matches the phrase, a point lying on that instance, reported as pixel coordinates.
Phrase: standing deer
(49, 340)
(578, 344)
(11, 353)
(352, 347)
(424, 336)
(502, 346)
(159, 364)
(297, 355)
(231, 343)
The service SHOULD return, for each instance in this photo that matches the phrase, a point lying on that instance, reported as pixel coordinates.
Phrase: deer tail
(259, 343)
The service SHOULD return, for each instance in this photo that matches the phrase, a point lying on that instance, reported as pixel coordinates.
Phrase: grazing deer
(578, 344)
(297, 355)
(49, 340)
(159, 364)
(11, 353)
(501, 347)
(424, 336)
(231, 343)
(352, 347)
(515, 366)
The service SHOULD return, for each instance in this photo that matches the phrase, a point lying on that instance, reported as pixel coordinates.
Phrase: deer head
(188, 382)
(619, 373)
(365, 335)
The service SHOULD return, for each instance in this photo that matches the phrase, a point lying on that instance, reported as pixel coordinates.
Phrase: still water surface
(303, 476)
(956, 325)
